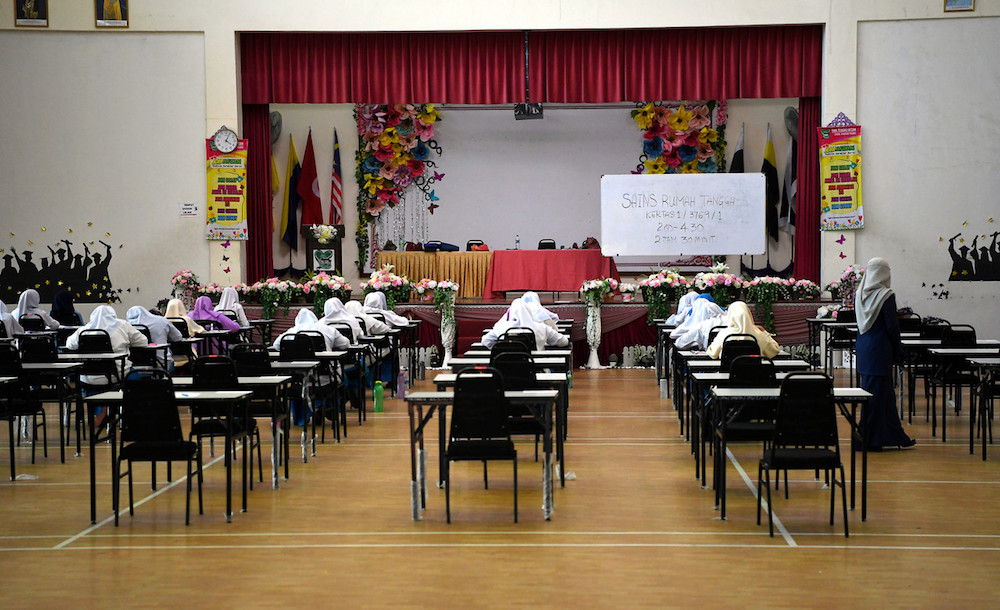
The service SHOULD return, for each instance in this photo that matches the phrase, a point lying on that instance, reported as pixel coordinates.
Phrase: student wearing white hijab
(161, 331)
(538, 313)
(375, 303)
(373, 326)
(878, 346)
(683, 308)
(29, 303)
(122, 335)
(230, 301)
(10, 323)
(739, 320)
(693, 332)
(306, 320)
(335, 313)
(519, 316)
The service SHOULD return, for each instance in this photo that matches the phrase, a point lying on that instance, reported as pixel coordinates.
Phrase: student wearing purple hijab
(203, 313)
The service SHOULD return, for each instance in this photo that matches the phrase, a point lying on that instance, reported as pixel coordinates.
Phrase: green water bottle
(569, 379)
(379, 393)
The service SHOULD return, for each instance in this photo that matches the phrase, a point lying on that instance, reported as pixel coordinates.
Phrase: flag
(770, 170)
(290, 203)
(336, 191)
(786, 214)
(736, 165)
(274, 177)
(308, 187)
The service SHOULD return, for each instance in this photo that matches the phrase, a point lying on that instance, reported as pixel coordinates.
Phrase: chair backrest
(806, 415)
(229, 313)
(149, 412)
(345, 329)
(317, 338)
(214, 373)
(517, 369)
(546, 244)
(362, 324)
(378, 316)
(752, 371)
(480, 409)
(505, 346)
(737, 345)
(524, 335)
(296, 346)
(144, 330)
(713, 333)
(209, 324)
(910, 323)
(847, 315)
(38, 348)
(181, 325)
(95, 341)
(958, 335)
(251, 359)
(10, 361)
(473, 242)
(31, 322)
(934, 329)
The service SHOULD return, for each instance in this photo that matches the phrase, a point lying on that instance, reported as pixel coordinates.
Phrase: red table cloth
(545, 270)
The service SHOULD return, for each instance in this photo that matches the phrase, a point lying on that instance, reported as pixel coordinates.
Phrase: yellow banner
(227, 198)
(840, 178)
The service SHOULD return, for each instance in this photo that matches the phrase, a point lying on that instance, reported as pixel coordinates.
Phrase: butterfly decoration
(137, 289)
(120, 246)
(438, 176)
(842, 239)
(940, 239)
(225, 259)
(842, 255)
(226, 270)
(67, 230)
(106, 234)
(90, 224)
(432, 207)
(12, 235)
(225, 244)
(966, 223)
(91, 243)
(44, 229)
(434, 197)
(990, 220)
(128, 290)
(31, 243)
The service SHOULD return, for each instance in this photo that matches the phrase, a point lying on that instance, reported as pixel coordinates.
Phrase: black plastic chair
(951, 372)
(840, 339)
(479, 427)
(219, 373)
(546, 244)
(805, 438)
(713, 333)
(751, 421)
(524, 335)
(98, 341)
(38, 348)
(910, 323)
(31, 322)
(151, 432)
(17, 399)
(300, 346)
(518, 371)
(736, 345)
(507, 346)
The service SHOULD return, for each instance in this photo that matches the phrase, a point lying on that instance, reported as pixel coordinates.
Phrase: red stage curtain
(311, 69)
(687, 63)
(257, 131)
(579, 67)
(255, 69)
(807, 232)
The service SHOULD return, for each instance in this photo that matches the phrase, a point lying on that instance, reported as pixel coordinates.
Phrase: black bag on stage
(434, 246)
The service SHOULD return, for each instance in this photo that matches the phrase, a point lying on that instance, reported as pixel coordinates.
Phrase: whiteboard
(682, 214)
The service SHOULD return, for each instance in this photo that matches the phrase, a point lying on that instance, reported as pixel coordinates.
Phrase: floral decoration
(274, 292)
(395, 143)
(763, 292)
(444, 298)
(686, 138)
(627, 291)
(425, 288)
(324, 234)
(724, 287)
(661, 290)
(593, 291)
(844, 288)
(185, 286)
(323, 286)
(395, 287)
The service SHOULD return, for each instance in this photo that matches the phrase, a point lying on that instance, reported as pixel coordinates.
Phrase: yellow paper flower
(691, 167)
(707, 135)
(645, 116)
(388, 137)
(655, 166)
(430, 114)
(373, 183)
(679, 120)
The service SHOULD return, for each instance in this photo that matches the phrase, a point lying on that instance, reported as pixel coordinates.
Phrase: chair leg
(116, 471)
(843, 499)
(187, 503)
(201, 506)
(10, 436)
(760, 492)
(131, 504)
(447, 489)
(486, 479)
(515, 486)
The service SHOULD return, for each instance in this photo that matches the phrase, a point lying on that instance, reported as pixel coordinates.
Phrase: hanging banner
(840, 178)
(227, 199)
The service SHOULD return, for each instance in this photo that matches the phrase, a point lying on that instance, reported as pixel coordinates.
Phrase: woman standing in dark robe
(878, 346)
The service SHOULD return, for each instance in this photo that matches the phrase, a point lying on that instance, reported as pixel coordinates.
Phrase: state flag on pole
(290, 203)
(308, 187)
(337, 191)
(736, 165)
(770, 170)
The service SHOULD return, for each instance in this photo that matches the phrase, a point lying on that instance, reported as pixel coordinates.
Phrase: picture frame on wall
(111, 13)
(31, 13)
(959, 5)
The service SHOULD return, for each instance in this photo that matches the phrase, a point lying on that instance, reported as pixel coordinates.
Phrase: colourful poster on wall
(227, 200)
(840, 178)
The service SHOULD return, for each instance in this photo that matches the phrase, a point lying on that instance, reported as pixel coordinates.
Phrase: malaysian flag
(337, 191)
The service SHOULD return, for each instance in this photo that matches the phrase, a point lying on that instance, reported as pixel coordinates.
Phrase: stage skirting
(545, 270)
(469, 269)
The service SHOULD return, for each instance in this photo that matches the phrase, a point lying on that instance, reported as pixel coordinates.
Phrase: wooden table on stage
(469, 269)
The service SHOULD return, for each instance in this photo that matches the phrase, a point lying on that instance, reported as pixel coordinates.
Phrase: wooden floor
(634, 528)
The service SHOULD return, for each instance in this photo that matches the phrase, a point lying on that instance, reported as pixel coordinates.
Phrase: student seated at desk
(739, 320)
(519, 316)
(63, 311)
(306, 320)
(10, 323)
(230, 301)
(161, 331)
(375, 303)
(693, 332)
(373, 326)
(28, 303)
(176, 309)
(683, 309)
(539, 313)
(335, 313)
(122, 335)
